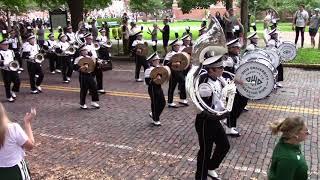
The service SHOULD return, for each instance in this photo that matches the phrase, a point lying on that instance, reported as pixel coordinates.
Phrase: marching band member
(86, 80)
(186, 42)
(140, 59)
(275, 41)
(103, 54)
(175, 78)
(8, 76)
(65, 58)
(208, 126)
(202, 30)
(70, 35)
(15, 46)
(158, 101)
(34, 69)
(49, 46)
(187, 32)
(92, 51)
(231, 63)
(253, 40)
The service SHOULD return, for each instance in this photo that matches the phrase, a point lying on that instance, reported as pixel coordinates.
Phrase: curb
(304, 66)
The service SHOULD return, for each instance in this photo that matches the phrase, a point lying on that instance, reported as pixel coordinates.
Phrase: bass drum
(258, 77)
(274, 56)
(287, 51)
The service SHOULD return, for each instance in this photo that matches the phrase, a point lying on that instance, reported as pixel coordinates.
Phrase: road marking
(146, 96)
(154, 153)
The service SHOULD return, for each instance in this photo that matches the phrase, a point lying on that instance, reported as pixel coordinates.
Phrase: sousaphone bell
(163, 71)
(90, 62)
(180, 61)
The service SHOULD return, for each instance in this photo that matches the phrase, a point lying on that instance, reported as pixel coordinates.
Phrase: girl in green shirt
(288, 163)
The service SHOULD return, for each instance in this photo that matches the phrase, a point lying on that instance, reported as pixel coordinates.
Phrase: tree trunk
(319, 41)
(229, 4)
(244, 20)
(76, 11)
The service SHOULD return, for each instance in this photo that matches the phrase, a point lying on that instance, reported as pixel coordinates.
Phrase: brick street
(118, 141)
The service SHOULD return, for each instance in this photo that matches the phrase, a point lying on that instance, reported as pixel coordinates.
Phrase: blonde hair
(289, 127)
(3, 125)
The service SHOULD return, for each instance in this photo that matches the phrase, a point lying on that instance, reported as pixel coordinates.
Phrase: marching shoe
(13, 94)
(11, 99)
(157, 123)
(34, 92)
(68, 79)
(84, 106)
(95, 105)
(279, 85)
(184, 102)
(101, 91)
(36, 75)
(139, 80)
(58, 70)
(224, 121)
(39, 88)
(19, 72)
(212, 174)
(232, 132)
(172, 105)
(150, 114)
(245, 109)
(20, 69)
(53, 72)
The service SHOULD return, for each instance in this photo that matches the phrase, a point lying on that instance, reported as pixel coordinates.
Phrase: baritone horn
(162, 71)
(14, 66)
(39, 58)
(96, 46)
(71, 50)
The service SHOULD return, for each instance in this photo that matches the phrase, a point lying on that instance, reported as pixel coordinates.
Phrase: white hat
(213, 61)
(234, 43)
(153, 57)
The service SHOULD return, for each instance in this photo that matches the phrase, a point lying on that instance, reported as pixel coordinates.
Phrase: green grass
(307, 56)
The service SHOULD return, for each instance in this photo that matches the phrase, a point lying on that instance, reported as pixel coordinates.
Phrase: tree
(187, 5)
(244, 19)
(76, 7)
(10, 6)
(167, 4)
(146, 6)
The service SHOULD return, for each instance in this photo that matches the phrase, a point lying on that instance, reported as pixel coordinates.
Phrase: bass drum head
(274, 56)
(258, 79)
(287, 51)
(255, 54)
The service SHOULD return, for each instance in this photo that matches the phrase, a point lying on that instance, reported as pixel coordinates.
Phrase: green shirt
(287, 163)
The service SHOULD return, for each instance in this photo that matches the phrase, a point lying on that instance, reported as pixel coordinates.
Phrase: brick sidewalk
(119, 142)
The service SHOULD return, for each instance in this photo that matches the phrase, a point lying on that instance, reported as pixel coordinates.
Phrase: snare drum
(287, 51)
(258, 77)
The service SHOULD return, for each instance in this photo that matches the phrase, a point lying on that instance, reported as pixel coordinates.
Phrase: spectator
(220, 19)
(231, 23)
(125, 37)
(314, 26)
(40, 35)
(165, 34)
(299, 23)
(288, 162)
(13, 141)
(154, 36)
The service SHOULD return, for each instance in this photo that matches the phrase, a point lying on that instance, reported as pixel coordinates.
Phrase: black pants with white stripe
(67, 67)
(210, 130)
(158, 101)
(140, 61)
(280, 73)
(176, 78)
(87, 82)
(239, 103)
(8, 78)
(17, 172)
(33, 70)
(99, 77)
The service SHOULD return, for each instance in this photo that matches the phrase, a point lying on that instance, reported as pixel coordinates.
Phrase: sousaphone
(180, 61)
(90, 62)
(163, 71)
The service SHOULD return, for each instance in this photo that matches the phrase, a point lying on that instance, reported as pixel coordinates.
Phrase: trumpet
(96, 46)
(39, 58)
